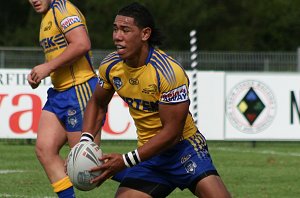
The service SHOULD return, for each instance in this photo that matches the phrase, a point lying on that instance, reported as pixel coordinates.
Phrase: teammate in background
(171, 151)
(66, 44)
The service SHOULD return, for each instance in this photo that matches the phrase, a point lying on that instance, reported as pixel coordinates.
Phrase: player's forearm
(93, 118)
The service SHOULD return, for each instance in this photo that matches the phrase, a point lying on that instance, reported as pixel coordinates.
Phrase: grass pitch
(260, 170)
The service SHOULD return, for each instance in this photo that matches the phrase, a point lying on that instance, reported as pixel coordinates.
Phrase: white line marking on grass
(260, 152)
(9, 195)
(22, 196)
(11, 171)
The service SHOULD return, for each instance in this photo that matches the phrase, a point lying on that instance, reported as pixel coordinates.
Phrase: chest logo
(117, 82)
(151, 89)
(134, 81)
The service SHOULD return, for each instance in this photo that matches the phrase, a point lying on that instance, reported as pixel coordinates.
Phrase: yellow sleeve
(104, 69)
(103, 81)
(176, 90)
(67, 16)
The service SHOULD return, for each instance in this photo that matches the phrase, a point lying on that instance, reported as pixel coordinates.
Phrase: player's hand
(113, 164)
(39, 72)
(32, 83)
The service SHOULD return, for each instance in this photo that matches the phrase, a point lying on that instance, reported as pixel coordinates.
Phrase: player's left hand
(113, 164)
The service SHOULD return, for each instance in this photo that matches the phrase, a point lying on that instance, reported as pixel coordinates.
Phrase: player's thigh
(51, 134)
(124, 192)
(211, 187)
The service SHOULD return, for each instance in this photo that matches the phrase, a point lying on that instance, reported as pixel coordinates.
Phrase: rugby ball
(82, 157)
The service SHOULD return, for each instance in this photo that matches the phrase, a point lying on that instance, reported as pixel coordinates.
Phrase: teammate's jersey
(160, 80)
(61, 18)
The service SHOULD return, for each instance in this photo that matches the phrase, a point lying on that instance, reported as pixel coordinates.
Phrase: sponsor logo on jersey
(134, 81)
(117, 82)
(251, 106)
(141, 104)
(179, 94)
(53, 43)
(151, 89)
(68, 21)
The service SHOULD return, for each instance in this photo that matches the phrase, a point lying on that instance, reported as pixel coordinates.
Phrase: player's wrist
(86, 136)
(131, 158)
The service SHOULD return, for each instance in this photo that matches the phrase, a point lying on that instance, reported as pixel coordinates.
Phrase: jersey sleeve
(67, 16)
(103, 81)
(104, 69)
(174, 86)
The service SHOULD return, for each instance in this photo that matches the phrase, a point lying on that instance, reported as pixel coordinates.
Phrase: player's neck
(139, 59)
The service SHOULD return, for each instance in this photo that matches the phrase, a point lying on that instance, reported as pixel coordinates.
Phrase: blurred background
(231, 35)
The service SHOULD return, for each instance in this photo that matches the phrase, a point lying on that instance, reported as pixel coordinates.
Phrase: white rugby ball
(82, 157)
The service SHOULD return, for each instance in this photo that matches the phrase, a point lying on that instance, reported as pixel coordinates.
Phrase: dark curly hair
(143, 19)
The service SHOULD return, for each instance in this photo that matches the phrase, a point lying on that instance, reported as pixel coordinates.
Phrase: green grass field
(268, 169)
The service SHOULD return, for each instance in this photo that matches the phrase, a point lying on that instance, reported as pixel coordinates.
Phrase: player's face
(40, 6)
(128, 37)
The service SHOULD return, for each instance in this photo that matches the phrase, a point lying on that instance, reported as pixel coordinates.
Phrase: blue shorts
(181, 166)
(69, 105)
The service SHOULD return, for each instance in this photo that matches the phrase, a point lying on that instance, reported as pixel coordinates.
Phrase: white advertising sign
(210, 103)
(262, 106)
(20, 109)
(230, 106)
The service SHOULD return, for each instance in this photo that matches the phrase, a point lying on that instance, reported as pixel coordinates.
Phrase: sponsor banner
(20, 109)
(230, 106)
(262, 106)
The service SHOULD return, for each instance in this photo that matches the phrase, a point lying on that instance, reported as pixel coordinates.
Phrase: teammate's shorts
(181, 166)
(69, 105)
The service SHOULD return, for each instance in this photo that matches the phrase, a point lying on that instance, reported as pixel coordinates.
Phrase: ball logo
(251, 106)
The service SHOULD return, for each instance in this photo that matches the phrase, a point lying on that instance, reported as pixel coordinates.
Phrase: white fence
(27, 57)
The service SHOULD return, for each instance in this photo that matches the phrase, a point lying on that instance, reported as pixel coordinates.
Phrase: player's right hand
(32, 83)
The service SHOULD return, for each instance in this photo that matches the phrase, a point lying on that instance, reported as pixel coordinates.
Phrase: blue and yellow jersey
(160, 80)
(61, 18)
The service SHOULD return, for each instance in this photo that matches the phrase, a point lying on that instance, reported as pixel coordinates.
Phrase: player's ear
(146, 33)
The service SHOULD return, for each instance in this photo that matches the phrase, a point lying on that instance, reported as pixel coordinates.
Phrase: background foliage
(221, 24)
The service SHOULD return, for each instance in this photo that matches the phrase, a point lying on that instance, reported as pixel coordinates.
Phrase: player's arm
(96, 110)
(78, 45)
(173, 119)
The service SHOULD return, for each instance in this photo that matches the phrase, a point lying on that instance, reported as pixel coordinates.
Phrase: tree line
(222, 25)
